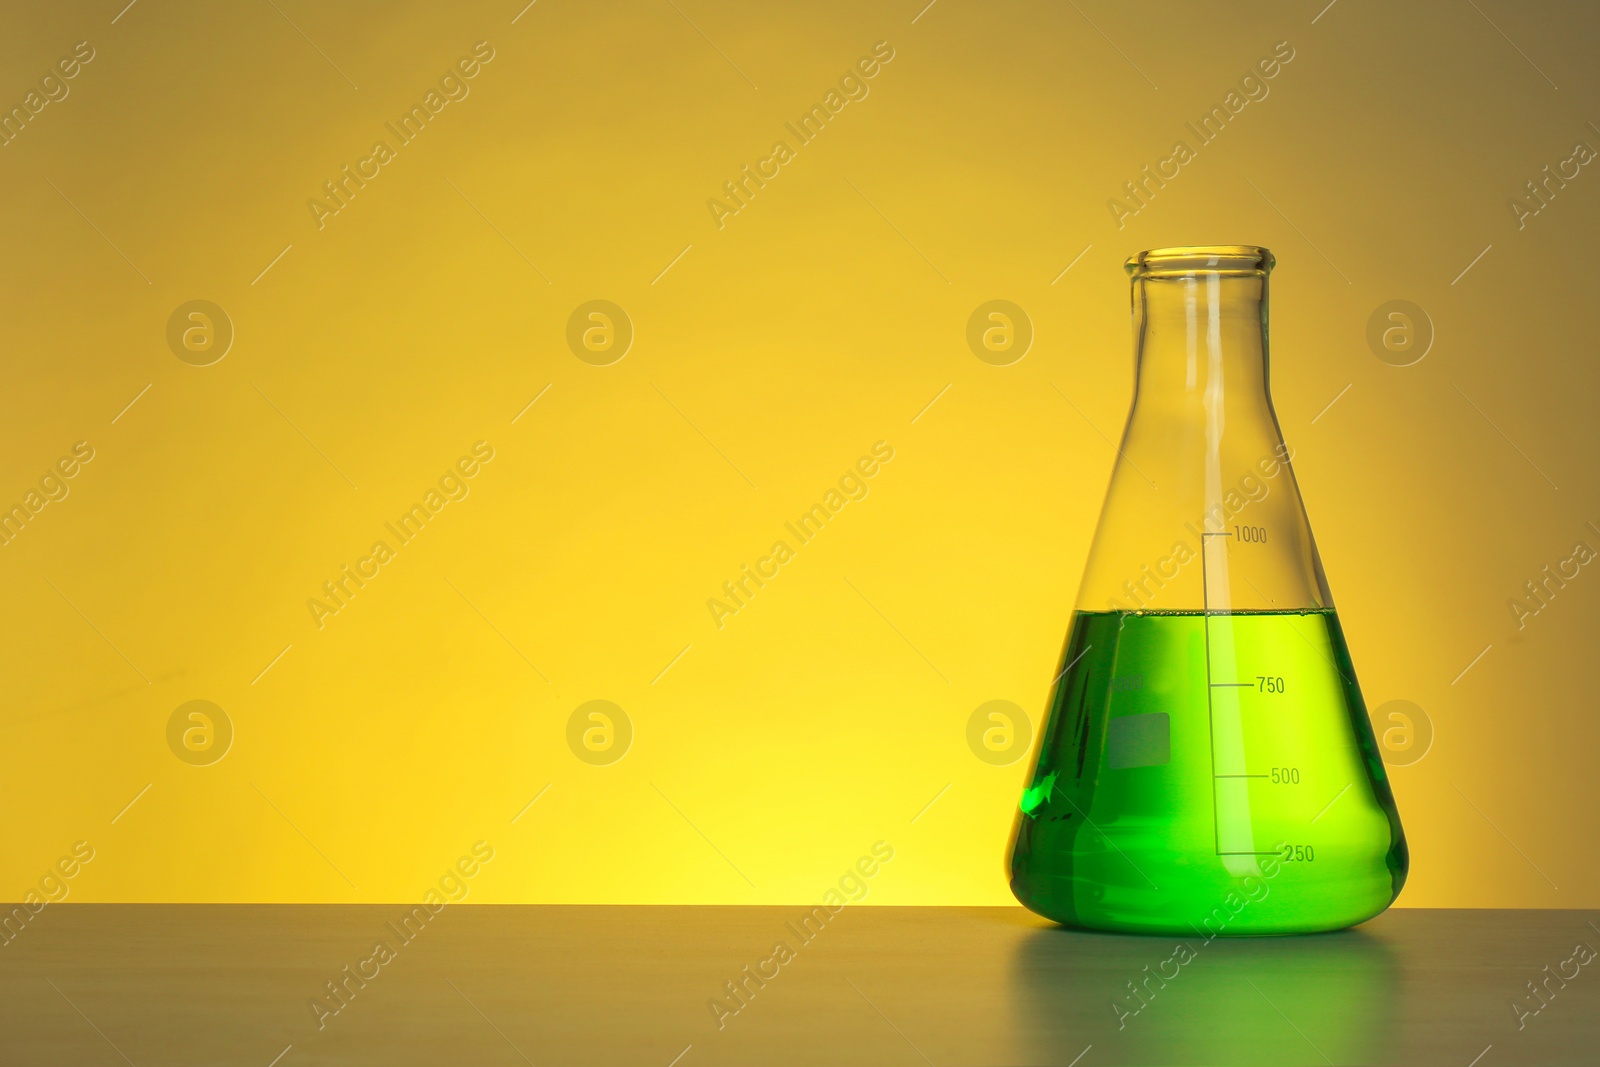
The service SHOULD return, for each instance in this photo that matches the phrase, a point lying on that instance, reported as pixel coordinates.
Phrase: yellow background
(822, 318)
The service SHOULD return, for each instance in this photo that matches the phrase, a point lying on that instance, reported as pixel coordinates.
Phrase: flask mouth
(1187, 260)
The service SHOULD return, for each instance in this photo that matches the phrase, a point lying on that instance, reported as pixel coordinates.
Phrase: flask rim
(1189, 260)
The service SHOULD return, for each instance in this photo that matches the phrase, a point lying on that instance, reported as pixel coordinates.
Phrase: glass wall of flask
(1207, 766)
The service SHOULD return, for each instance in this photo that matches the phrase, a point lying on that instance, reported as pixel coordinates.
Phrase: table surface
(85, 984)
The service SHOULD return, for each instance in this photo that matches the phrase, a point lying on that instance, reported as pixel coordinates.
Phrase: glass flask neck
(1198, 335)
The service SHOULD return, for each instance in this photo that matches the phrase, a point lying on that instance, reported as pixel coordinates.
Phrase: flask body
(1206, 766)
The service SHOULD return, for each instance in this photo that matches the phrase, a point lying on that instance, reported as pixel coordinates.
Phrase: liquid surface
(1207, 773)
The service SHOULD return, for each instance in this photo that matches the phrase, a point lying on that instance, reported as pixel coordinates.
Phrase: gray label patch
(1138, 741)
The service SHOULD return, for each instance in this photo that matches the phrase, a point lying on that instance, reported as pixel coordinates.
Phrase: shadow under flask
(1207, 766)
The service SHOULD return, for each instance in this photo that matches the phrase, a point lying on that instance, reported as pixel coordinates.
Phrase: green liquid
(1207, 774)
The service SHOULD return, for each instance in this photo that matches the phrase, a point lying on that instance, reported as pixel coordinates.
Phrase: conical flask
(1207, 766)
